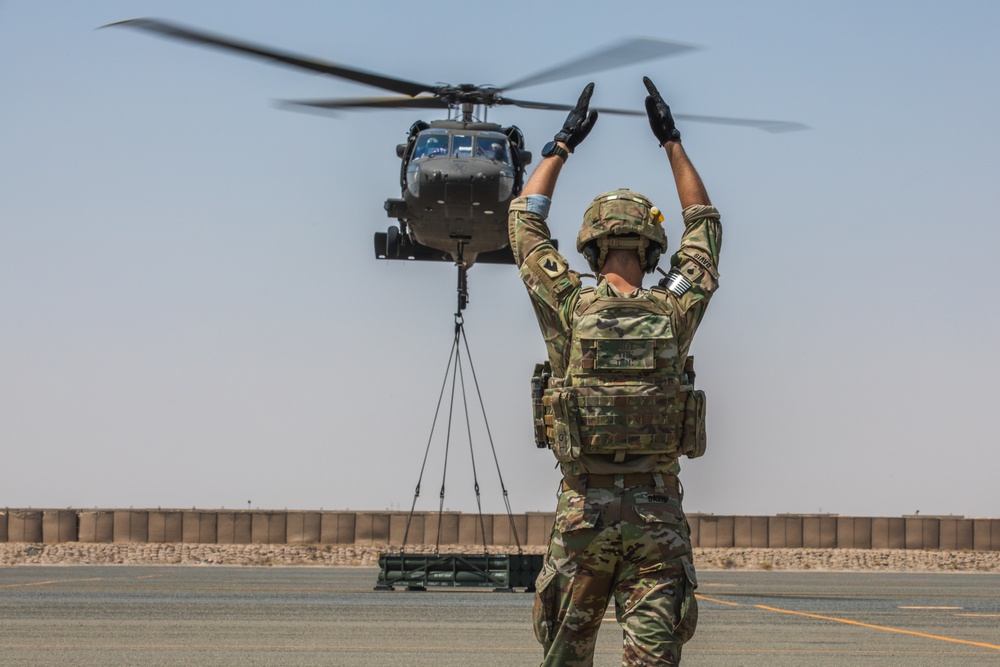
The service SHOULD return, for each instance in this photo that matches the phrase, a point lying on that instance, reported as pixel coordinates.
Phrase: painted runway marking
(916, 607)
(979, 615)
(879, 627)
(870, 625)
(708, 599)
(48, 583)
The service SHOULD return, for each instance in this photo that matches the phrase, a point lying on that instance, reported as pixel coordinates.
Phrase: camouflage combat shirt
(555, 290)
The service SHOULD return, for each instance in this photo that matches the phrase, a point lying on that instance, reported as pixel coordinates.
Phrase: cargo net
(454, 381)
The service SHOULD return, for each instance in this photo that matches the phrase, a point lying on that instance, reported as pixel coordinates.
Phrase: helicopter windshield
(430, 144)
(492, 147)
(461, 145)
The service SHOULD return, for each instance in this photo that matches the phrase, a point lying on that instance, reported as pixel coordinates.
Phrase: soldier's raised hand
(579, 122)
(660, 119)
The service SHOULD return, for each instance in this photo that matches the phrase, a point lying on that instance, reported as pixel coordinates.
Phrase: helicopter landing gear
(392, 241)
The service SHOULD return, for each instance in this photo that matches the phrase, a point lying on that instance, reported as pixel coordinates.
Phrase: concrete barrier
(337, 527)
(888, 533)
(234, 527)
(441, 528)
(303, 528)
(986, 534)
(371, 528)
(166, 526)
(401, 534)
(200, 527)
(750, 532)
(24, 526)
(452, 528)
(269, 528)
(510, 531)
(956, 534)
(60, 526)
(540, 527)
(784, 532)
(819, 532)
(922, 532)
(475, 529)
(131, 526)
(97, 526)
(716, 531)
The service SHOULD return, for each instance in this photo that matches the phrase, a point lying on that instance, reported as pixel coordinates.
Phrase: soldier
(617, 405)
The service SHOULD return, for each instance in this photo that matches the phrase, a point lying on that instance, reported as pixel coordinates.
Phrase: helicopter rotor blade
(425, 102)
(167, 29)
(525, 104)
(619, 54)
(773, 126)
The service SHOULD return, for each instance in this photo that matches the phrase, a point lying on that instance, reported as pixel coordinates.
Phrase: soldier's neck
(622, 283)
(623, 271)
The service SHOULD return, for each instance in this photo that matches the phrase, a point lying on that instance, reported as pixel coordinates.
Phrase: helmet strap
(637, 243)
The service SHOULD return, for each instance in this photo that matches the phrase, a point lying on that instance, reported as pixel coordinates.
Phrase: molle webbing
(646, 423)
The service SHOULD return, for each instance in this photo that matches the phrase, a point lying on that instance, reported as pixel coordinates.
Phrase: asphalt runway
(111, 616)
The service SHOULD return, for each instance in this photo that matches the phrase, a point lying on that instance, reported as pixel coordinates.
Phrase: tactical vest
(626, 390)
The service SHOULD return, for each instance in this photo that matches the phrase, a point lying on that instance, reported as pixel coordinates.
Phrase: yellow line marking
(47, 583)
(879, 627)
(979, 615)
(708, 599)
(914, 607)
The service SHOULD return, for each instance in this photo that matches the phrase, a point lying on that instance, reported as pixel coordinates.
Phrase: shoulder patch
(552, 264)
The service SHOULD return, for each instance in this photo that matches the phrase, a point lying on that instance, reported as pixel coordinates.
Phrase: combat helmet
(622, 219)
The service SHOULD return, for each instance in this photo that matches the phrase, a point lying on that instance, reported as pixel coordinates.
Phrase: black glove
(578, 123)
(660, 119)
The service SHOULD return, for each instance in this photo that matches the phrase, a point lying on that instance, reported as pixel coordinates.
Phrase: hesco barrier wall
(822, 531)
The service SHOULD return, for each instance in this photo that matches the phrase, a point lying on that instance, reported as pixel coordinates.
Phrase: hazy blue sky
(190, 313)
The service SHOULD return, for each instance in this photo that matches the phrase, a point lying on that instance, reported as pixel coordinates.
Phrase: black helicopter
(458, 175)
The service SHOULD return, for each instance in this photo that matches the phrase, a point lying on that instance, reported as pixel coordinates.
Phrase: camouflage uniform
(619, 528)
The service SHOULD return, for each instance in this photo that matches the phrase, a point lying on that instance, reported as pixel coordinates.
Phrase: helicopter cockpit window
(461, 145)
(430, 144)
(492, 148)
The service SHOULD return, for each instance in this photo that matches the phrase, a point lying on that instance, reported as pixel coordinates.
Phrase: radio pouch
(694, 441)
(539, 383)
(565, 433)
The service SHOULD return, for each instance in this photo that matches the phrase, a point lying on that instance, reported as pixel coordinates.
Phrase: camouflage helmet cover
(619, 213)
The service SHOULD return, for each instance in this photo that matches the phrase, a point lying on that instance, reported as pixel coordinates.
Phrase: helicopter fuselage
(457, 179)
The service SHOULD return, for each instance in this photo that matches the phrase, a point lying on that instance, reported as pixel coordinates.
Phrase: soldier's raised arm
(526, 220)
(578, 125)
(690, 189)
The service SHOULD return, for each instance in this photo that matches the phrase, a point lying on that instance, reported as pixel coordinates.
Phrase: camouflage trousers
(630, 543)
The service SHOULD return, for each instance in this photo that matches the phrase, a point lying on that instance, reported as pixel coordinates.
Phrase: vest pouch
(694, 441)
(565, 433)
(539, 381)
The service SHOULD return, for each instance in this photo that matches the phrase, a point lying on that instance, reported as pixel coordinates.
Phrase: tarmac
(212, 615)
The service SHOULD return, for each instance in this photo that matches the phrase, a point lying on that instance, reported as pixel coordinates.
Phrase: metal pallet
(417, 572)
